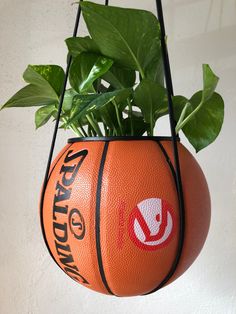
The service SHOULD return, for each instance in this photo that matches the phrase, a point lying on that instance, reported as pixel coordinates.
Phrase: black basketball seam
(97, 217)
(41, 209)
(180, 242)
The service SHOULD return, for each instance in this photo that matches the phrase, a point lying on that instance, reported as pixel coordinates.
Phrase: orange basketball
(110, 215)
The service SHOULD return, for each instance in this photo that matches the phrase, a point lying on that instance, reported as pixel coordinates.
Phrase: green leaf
(128, 36)
(45, 76)
(80, 69)
(68, 100)
(45, 84)
(150, 97)
(210, 81)
(122, 95)
(206, 123)
(139, 126)
(120, 77)
(31, 95)
(79, 103)
(76, 45)
(86, 68)
(179, 103)
(154, 70)
(107, 114)
(90, 103)
(100, 67)
(202, 116)
(43, 114)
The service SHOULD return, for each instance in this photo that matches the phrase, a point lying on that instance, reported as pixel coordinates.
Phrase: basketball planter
(122, 213)
(110, 213)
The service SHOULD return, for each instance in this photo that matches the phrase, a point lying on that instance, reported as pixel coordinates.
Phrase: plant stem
(76, 131)
(131, 116)
(182, 116)
(110, 132)
(73, 128)
(94, 124)
(118, 117)
(83, 130)
(97, 124)
(93, 132)
(89, 130)
(189, 117)
(105, 127)
(141, 73)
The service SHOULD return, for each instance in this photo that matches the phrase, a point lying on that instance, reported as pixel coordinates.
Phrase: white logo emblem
(151, 224)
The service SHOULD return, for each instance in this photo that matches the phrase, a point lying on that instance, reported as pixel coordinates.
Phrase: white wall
(32, 32)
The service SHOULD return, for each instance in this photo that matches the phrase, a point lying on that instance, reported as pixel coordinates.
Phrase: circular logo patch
(76, 223)
(152, 224)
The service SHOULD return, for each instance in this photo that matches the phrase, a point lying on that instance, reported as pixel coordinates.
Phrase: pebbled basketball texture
(110, 215)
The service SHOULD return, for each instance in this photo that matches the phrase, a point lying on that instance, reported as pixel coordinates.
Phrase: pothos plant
(117, 82)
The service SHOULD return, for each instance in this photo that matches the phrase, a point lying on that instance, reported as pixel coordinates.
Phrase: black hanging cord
(57, 122)
(60, 104)
(169, 87)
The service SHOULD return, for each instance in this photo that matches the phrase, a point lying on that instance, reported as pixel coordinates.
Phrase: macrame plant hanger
(174, 139)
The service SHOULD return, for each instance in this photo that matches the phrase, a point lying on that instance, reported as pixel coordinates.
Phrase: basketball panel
(69, 213)
(136, 256)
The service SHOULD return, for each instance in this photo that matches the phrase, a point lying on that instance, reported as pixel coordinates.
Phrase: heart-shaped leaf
(80, 68)
(117, 76)
(44, 89)
(130, 37)
(202, 116)
(100, 67)
(85, 69)
(45, 76)
(206, 123)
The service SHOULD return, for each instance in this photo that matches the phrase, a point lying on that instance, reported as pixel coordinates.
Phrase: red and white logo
(152, 224)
